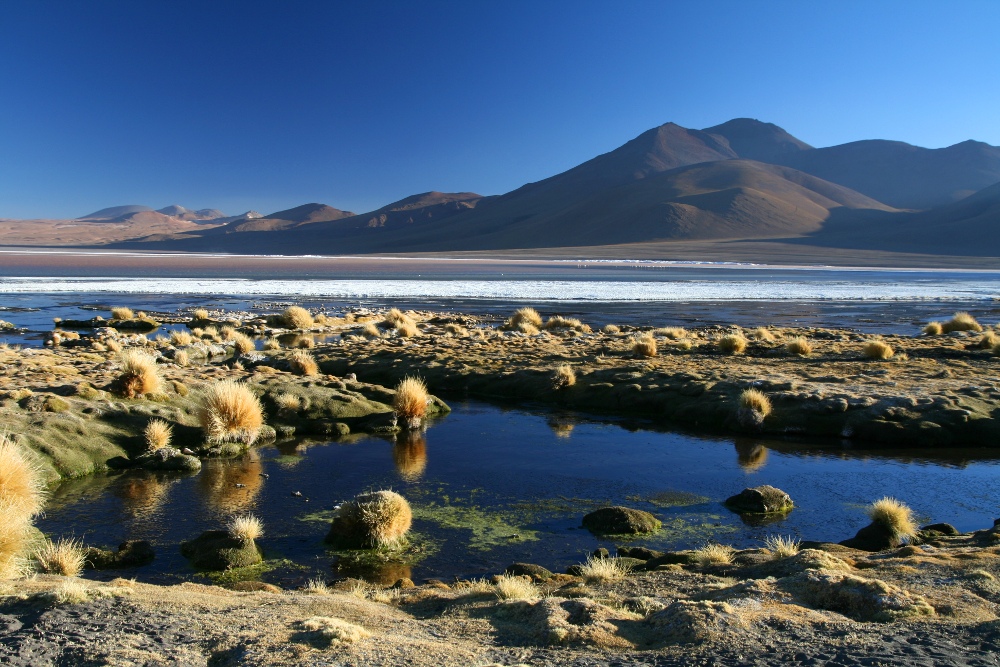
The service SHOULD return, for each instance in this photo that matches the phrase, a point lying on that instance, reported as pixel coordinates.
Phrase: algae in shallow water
(251, 572)
(670, 498)
(489, 529)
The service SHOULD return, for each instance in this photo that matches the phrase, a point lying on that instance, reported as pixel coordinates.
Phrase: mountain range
(743, 179)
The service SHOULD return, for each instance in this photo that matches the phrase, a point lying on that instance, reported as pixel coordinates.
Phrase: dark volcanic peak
(755, 140)
(432, 198)
(310, 213)
(115, 212)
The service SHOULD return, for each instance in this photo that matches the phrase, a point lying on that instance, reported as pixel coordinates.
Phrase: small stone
(760, 500)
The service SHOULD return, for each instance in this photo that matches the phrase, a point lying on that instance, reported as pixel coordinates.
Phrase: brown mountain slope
(413, 210)
(753, 140)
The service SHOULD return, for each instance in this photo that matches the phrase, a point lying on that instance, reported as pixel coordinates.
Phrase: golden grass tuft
(21, 484)
(515, 587)
(800, 346)
(989, 341)
(961, 321)
(181, 338)
(395, 318)
(456, 330)
(316, 586)
(297, 317)
(272, 344)
(560, 322)
(158, 434)
(877, 349)
(407, 329)
(286, 401)
(199, 314)
(335, 630)
(894, 516)
(122, 313)
(71, 591)
(780, 546)
(245, 528)
(604, 570)
(303, 363)
(762, 334)
(411, 398)
(181, 358)
(139, 375)
(65, 557)
(732, 343)
(563, 376)
(526, 315)
(756, 400)
(611, 329)
(370, 330)
(527, 328)
(674, 333)
(385, 517)
(644, 345)
(230, 411)
(714, 554)
(934, 329)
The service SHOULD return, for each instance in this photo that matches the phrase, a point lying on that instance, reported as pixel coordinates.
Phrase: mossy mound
(132, 553)
(763, 499)
(856, 597)
(217, 550)
(167, 458)
(620, 521)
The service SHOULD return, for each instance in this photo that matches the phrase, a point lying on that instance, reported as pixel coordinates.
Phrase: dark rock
(670, 558)
(167, 458)
(600, 552)
(536, 572)
(133, 553)
(760, 500)
(873, 537)
(941, 529)
(620, 521)
(642, 553)
(217, 550)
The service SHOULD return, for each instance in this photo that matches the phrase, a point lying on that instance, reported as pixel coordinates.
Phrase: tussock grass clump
(644, 345)
(227, 333)
(65, 557)
(370, 330)
(674, 333)
(139, 374)
(245, 528)
(800, 346)
(303, 363)
(524, 315)
(604, 570)
(933, 329)
(231, 412)
(379, 519)
(199, 314)
(762, 334)
(894, 516)
(286, 401)
(297, 317)
(243, 344)
(181, 358)
(560, 322)
(335, 630)
(456, 330)
(407, 329)
(877, 349)
(732, 343)
(22, 495)
(989, 341)
(611, 329)
(527, 328)
(158, 434)
(411, 399)
(714, 554)
(515, 587)
(563, 376)
(181, 338)
(756, 400)
(395, 318)
(316, 587)
(781, 546)
(961, 321)
(122, 313)
(272, 344)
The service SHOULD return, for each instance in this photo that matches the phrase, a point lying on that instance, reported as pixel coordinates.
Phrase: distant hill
(115, 212)
(176, 211)
(751, 139)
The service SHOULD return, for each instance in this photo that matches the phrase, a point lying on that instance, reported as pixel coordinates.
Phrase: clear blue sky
(239, 105)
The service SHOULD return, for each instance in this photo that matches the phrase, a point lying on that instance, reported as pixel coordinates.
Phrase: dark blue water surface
(491, 486)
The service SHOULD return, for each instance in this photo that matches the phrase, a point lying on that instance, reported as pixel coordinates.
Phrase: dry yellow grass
(515, 587)
(370, 330)
(611, 329)
(560, 322)
(714, 554)
(231, 412)
(933, 329)
(674, 333)
(781, 547)
(756, 400)
(526, 315)
(563, 376)
(800, 346)
(961, 321)
(181, 358)
(334, 630)
(385, 516)
(894, 516)
(272, 344)
(65, 557)
(303, 363)
(411, 398)
(245, 528)
(395, 318)
(407, 329)
(456, 330)
(122, 313)
(297, 317)
(877, 349)
(243, 344)
(200, 314)
(286, 401)
(158, 434)
(604, 570)
(527, 328)
(181, 338)
(989, 341)
(732, 343)
(22, 495)
(139, 375)
(762, 334)
(644, 345)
